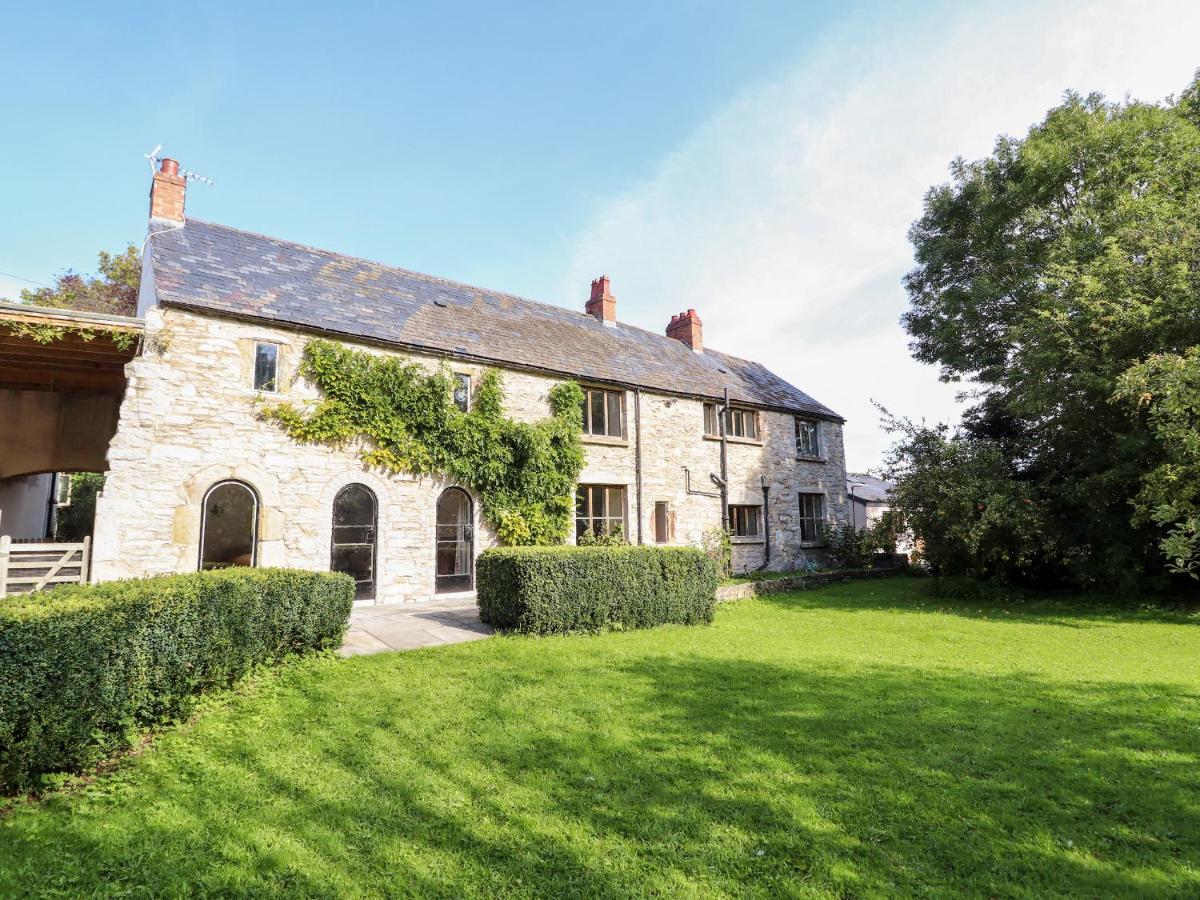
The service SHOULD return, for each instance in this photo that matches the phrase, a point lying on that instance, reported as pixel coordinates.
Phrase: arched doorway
(355, 521)
(229, 526)
(455, 542)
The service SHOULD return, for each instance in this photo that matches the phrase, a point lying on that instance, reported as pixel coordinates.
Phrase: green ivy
(524, 474)
(48, 334)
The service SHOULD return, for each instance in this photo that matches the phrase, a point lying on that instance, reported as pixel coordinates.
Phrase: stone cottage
(679, 437)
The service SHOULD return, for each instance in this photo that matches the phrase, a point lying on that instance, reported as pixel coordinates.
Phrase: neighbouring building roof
(868, 488)
(222, 270)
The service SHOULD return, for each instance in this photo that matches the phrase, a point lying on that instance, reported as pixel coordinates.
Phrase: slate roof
(223, 270)
(868, 488)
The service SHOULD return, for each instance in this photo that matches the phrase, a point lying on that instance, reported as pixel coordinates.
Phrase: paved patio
(406, 626)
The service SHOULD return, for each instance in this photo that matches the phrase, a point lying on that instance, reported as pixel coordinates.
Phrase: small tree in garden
(965, 505)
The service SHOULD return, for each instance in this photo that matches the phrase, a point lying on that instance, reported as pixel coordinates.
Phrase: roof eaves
(467, 356)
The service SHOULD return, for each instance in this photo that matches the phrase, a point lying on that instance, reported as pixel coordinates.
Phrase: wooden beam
(51, 361)
(99, 348)
(23, 378)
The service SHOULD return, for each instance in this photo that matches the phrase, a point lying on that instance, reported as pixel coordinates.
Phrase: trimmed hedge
(84, 668)
(555, 590)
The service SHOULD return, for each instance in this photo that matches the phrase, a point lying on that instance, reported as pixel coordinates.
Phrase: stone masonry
(190, 419)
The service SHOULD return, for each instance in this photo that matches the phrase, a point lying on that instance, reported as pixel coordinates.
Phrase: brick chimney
(167, 192)
(688, 328)
(602, 304)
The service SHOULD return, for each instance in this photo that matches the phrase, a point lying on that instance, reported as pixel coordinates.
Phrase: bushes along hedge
(553, 590)
(83, 668)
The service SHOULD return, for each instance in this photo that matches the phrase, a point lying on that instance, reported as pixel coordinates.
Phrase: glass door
(354, 524)
(455, 542)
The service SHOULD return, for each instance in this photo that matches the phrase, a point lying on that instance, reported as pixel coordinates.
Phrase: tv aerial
(188, 174)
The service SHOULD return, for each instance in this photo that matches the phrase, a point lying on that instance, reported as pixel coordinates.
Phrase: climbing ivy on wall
(48, 334)
(523, 474)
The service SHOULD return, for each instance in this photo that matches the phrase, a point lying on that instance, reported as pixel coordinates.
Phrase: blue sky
(471, 141)
(757, 161)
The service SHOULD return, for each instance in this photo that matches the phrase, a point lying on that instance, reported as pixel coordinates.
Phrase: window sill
(742, 541)
(800, 457)
(605, 441)
(751, 442)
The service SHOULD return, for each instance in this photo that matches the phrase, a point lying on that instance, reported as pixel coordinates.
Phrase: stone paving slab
(407, 626)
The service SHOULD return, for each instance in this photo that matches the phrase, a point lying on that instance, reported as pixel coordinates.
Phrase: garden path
(407, 626)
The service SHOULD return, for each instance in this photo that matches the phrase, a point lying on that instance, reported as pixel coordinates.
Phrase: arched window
(354, 527)
(229, 526)
(455, 542)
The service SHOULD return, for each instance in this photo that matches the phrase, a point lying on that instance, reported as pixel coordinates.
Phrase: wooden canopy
(63, 350)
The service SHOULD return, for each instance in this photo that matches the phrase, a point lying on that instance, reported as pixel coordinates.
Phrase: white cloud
(783, 220)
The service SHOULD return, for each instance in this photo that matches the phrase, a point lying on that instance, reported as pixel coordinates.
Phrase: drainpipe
(766, 489)
(724, 481)
(687, 483)
(637, 456)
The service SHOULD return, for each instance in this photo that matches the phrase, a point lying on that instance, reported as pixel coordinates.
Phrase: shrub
(855, 548)
(83, 668)
(717, 544)
(847, 546)
(592, 538)
(555, 590)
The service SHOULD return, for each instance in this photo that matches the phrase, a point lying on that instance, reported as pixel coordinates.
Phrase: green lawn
(854, 741)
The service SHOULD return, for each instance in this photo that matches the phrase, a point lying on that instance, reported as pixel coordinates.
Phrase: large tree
(1044, 273)
(113, 291)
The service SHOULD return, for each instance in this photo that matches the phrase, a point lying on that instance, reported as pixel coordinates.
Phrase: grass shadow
(650, 774)
(918, 594)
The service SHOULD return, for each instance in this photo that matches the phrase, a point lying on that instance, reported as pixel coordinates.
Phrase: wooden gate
(25, 568)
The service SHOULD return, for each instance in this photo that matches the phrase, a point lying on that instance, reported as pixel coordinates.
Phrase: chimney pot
(686, 328)
(601, 303)
(169, 166)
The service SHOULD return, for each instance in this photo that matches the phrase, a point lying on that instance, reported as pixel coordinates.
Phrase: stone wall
(189, 420)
